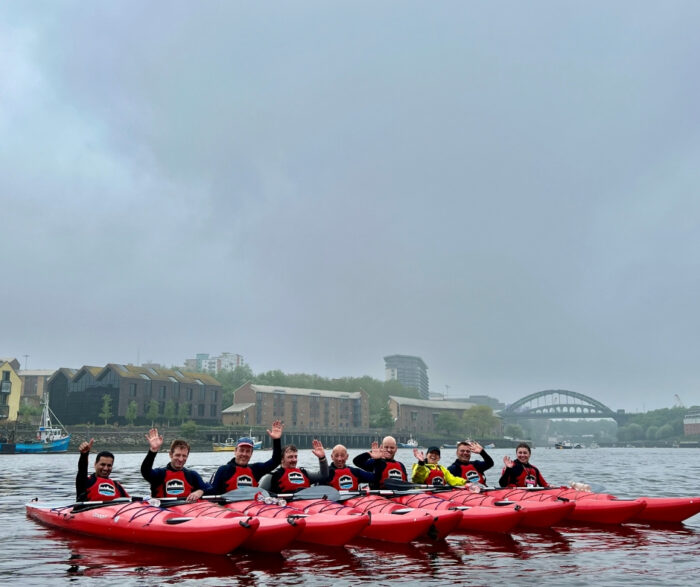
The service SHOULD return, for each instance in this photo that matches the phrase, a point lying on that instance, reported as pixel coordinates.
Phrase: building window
(414, 416)
(212, 411)
(189, 394)
(161, 392)
(132, 390)
(200, 410)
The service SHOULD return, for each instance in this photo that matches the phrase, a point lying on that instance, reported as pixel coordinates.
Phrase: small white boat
(50, 437)
(410, 443)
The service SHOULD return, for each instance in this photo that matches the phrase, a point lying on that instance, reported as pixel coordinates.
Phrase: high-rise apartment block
(409, 372)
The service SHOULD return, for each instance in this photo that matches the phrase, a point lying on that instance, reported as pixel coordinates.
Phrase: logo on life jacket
(438, 481)
(174, 487)
(106, 489)
(395, 474)
(346, 482)
(245, 481)
(296, 478)
(473, 476)
(530, 480)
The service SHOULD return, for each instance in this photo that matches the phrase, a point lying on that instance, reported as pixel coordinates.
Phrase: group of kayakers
(376, 468)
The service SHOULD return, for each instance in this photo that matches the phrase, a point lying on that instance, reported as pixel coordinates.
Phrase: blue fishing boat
(50, 437)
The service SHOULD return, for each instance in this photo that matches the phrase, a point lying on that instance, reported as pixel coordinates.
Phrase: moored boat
(51, 435)
(410, 443)
(142, 523)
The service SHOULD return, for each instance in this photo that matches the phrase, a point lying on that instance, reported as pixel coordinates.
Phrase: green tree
(189, 429)
(132, 411)
(450, 424)
(479, 421)
(152, 413)
(650, 433)
(169, 411)
(183, 411)
(106, 412)
(27, 413)
(666, 431)
(514, 431)
(383, 420)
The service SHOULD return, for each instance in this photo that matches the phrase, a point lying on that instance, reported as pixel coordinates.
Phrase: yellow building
(10, 389)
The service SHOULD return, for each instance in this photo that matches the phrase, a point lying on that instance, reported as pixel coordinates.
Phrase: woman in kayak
(520, 473)
(429, 470)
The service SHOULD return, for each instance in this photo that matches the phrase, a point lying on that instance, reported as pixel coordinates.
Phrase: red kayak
(322, 528)
(139, 522)
(668, 510)
(390, 522)
(589, 511)
(473, 519)
(272, 535)
(484, 514)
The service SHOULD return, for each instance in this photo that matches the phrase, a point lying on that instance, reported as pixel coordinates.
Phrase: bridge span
(560, 404)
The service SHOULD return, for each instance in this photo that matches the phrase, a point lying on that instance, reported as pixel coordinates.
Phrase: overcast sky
(508, 190)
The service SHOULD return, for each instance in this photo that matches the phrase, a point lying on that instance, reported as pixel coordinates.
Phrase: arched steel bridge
(559, 403)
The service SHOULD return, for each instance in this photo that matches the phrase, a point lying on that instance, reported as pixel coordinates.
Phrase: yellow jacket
(420, 473)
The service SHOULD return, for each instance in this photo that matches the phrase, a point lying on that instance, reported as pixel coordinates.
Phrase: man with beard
(98, 486)
(290, 478)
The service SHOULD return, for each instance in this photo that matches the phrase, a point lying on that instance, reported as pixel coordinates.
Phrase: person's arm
(262, 469)
(200, 486)
(540, 480)
(420, 472)
(364, 461)
(487, 463)
(81, 478)
(362, 475)
(218, 480)
(275, 480)
(147, 466)
(452, 480)
(321, 475)
(509, 473)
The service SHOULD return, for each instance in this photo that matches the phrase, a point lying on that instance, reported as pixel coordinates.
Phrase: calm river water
(632, 554)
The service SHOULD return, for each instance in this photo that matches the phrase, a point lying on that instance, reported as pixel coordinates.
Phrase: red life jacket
(175, 484)
(435, 477)
(101, 489)
(242, 477)
(471, 474)
(526, 478)
(293, 480)
(393, 470)
(343, 479)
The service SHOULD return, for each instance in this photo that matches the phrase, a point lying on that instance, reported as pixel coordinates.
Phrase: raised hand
(376, 451)
(508, 462)
(317, 449)
(85, 447)
(276, 431)
(155, 440)
(419, 454)
(194, 496)
(475, 447)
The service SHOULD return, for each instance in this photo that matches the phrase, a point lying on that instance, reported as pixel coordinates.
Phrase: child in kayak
(520, 473)
(98, 486)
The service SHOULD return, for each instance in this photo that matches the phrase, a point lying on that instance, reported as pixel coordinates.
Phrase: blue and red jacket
(232, 476)
(382, 469)
(167, 482)
(473, 471)
(348, 478)
(94, 488)
(520, 475)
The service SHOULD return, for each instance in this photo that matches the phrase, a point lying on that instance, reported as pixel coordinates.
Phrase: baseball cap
(246, 441)
(433, 449)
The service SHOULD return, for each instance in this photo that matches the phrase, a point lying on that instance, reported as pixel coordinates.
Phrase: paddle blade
(245, 494)
(317, 492)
